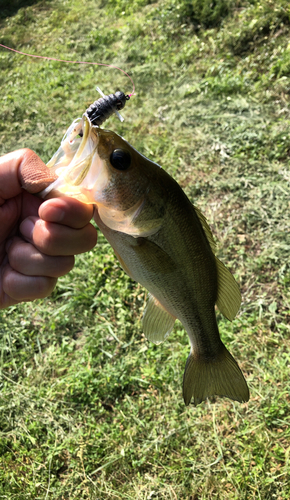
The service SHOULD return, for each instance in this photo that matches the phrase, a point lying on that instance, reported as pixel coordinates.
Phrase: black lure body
(105, 106)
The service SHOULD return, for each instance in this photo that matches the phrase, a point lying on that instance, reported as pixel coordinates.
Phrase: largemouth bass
(163, 242)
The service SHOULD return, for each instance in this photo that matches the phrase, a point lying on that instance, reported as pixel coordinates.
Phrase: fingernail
(26, 228)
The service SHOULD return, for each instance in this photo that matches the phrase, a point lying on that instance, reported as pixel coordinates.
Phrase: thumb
(22, 169)
(34, 175)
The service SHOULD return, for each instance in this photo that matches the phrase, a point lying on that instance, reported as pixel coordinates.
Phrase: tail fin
(221, 377)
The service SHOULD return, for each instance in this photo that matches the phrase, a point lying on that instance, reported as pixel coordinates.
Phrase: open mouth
(77, 164)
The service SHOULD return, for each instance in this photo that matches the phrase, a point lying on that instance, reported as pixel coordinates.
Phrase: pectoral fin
(157, 322)
(228, 296)
(123, 265)
(152, 256)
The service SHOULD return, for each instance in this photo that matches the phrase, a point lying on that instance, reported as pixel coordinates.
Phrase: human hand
(38, 240)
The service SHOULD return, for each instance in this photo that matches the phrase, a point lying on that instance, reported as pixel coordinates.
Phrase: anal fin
(157, 322)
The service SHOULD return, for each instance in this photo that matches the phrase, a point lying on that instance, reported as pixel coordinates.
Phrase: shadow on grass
(8, 9)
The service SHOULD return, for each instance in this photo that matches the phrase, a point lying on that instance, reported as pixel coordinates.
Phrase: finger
(14, 210)
(67, 211)
(9, 215)
(56, 239)
(19, 287)
(30, 205)
(26, 259)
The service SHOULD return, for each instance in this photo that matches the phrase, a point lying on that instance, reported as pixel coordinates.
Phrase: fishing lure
(102, 108)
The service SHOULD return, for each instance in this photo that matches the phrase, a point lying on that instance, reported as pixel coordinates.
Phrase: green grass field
(89, 408)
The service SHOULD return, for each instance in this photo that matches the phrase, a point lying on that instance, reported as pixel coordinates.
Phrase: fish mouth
(77, 164)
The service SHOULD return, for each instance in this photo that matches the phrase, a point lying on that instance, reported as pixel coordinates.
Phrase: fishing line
(73, 62)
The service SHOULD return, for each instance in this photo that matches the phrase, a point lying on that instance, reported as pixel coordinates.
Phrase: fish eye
(120, 159)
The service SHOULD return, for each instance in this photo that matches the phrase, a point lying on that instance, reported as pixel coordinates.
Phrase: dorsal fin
(206, 229)
(228, 296)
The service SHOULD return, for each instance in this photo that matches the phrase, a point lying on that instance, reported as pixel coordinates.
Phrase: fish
(163, 242)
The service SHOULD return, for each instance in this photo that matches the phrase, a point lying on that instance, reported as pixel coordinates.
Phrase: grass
(90, 409)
